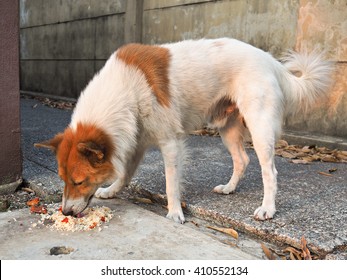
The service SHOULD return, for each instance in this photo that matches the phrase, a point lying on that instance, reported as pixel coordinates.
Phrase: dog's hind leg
(173, 154)
(264, 128)
(232, 137)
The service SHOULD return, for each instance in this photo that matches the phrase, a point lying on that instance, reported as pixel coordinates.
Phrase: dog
(149, 95)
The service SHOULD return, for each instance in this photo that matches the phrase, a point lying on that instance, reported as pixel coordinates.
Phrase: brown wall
(10, 152)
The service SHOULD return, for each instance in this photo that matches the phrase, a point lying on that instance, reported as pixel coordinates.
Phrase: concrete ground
(309, 204)
(133, 233)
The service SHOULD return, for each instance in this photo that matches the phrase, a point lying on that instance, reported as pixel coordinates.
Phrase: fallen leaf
(309, 153)
(325, 174)
(300, 161)
(329, 158)
(306, 149)
(287, 155)
(38, 209)
(281, 144)
(34, 202)
(27, 190)
(294, 253)
(229, 231)
(300, 154)
(143, 200)
(309, 158)
(268, 252)
(341, 156)
(292, 257)
(305, 251)
(65, 220)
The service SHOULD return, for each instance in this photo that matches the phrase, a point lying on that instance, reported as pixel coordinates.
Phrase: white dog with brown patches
(155, 95)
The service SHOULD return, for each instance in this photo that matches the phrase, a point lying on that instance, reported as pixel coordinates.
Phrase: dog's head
(84, 163)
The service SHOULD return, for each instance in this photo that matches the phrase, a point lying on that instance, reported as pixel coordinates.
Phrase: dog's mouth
(76, 210)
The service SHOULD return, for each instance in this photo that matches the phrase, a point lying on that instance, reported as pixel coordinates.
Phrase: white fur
(119, 100)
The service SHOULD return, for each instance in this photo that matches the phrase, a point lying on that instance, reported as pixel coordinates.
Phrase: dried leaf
(292, 257)
(229, 231)
(341, 156)
(34, 202)
(143, 200)
(268, 252)
(299, 161)
(305, 251)
(325, 174)
(287, 155)
(294, 253)
(38, 209)
(329, 158)
(309, 158)
(309, 153)
(306, 149)
(28, 190)
(300, 154)
(281, 144)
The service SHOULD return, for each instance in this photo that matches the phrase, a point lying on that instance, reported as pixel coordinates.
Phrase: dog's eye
(78, 183)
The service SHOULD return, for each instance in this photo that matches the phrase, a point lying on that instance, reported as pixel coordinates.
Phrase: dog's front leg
(173, 153)
(110, 191)
(125, 174)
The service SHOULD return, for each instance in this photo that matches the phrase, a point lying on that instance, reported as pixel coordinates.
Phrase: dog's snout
(68, 213)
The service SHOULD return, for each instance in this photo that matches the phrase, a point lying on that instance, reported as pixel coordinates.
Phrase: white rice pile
(94, 217)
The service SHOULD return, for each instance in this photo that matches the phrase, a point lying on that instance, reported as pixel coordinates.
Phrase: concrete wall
(63, 43)
(323, 24)
(260, 23)
(77, 36)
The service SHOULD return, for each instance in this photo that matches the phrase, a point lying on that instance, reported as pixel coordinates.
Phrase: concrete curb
(10, 188)
(299, 138)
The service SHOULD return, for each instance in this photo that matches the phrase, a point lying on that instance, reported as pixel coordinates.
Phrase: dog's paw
(224, 189)
(176, 216)
(105, 193)
(264, 213)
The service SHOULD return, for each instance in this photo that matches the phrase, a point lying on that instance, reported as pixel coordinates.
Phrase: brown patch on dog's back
(153, 61)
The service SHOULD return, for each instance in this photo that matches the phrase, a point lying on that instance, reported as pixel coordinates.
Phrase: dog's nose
(68, 213)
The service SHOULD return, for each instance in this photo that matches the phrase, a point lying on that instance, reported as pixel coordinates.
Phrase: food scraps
(92, 217)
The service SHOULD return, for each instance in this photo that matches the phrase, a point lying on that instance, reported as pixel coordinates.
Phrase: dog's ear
(51, 144)
(92, 151)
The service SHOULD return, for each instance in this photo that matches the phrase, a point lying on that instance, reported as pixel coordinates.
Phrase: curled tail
(308, 78)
